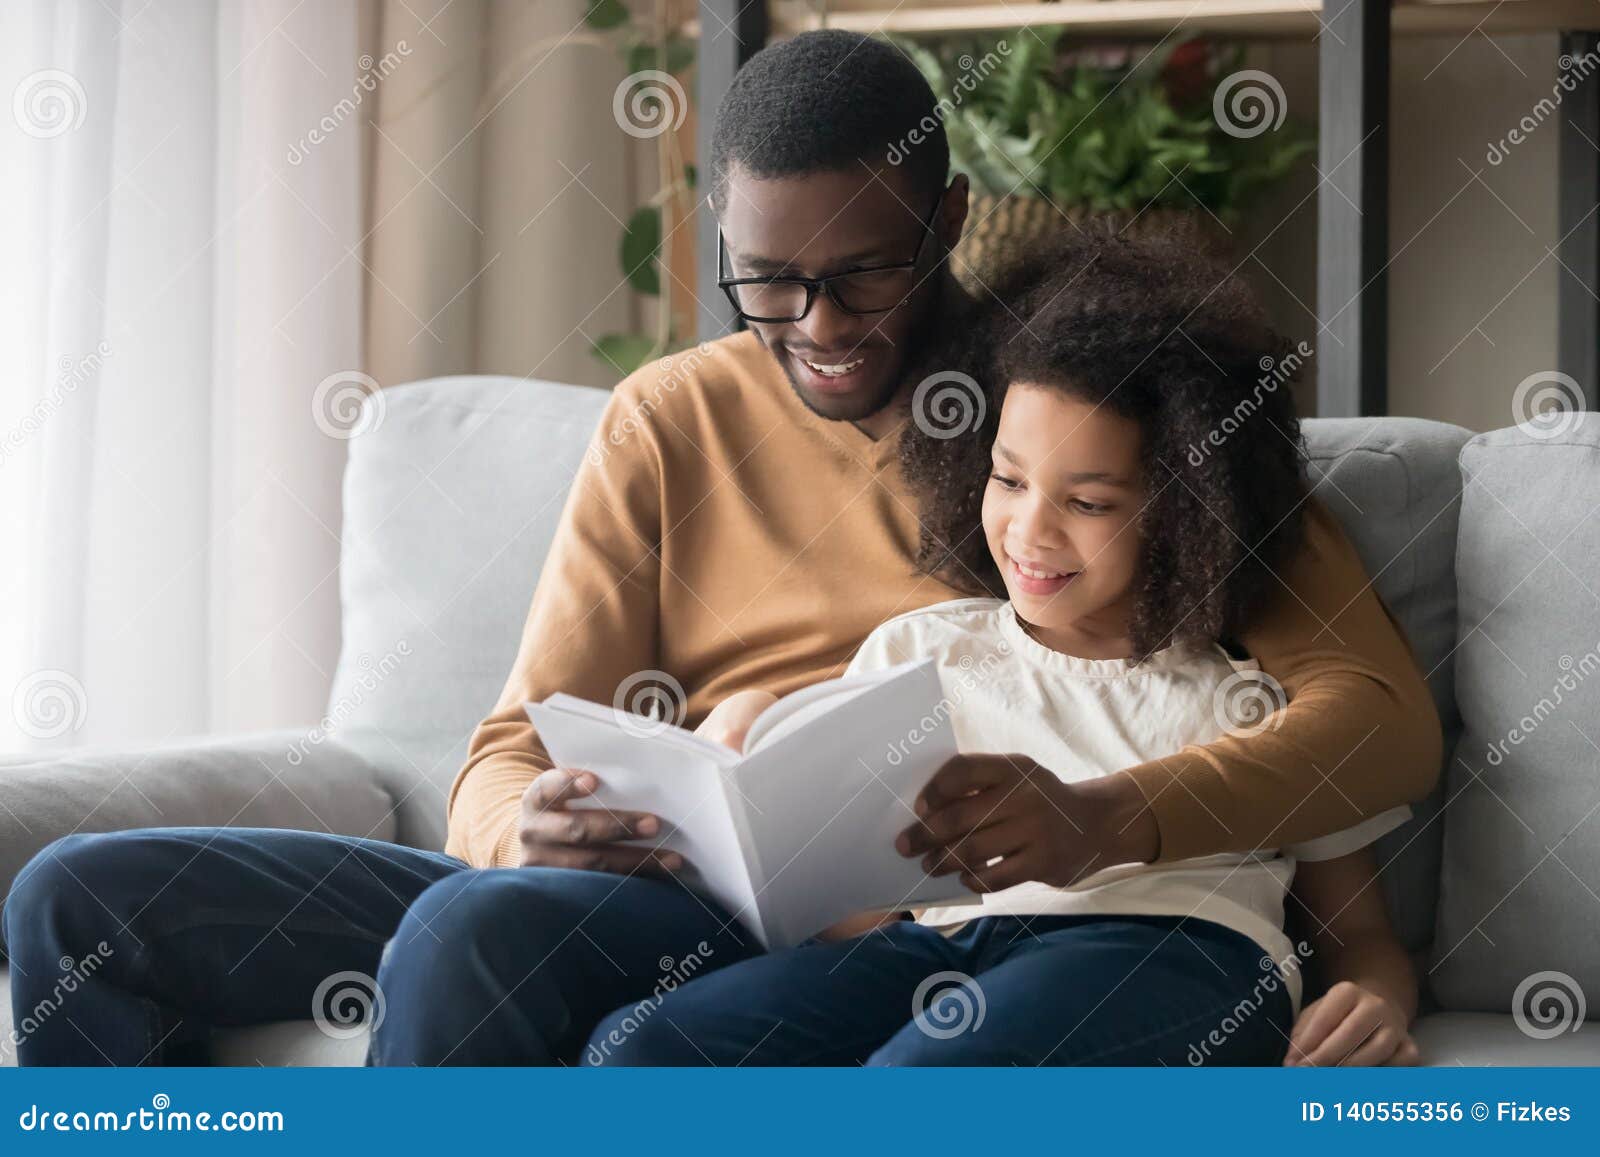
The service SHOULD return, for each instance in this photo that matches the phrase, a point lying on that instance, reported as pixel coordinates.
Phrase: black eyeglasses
(877, 289)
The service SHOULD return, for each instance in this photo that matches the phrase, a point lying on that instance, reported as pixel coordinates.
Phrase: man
(738, 524)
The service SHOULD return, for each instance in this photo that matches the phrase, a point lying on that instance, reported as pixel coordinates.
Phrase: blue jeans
(1064, 990)
(171, 933)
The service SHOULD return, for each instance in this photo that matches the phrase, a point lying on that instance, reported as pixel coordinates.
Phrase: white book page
(824, 803)
(656, 730)
(681, 785)
(798, 708)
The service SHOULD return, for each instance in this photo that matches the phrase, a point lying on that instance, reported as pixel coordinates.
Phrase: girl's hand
(1351, 1026)
(730, 720)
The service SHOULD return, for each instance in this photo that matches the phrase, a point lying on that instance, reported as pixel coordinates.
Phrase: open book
(798, 832)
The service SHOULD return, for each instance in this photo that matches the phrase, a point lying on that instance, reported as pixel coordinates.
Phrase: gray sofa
(1483, 547)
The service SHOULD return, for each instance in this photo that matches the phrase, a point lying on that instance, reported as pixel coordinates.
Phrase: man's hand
(557, 836)
(1350, 1025)
(979, 807)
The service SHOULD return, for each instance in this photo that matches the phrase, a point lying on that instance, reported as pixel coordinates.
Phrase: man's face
(844, 367)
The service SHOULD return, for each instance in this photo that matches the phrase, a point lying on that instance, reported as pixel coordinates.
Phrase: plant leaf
(641, 243)
(680, 53)
(623, 352)
(605, 13)
(644, 55)
(640, 57)
(1018, 80)
(1096, 136)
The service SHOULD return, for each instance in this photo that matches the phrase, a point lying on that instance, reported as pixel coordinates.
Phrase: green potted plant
(651, 106)
(1155, 139)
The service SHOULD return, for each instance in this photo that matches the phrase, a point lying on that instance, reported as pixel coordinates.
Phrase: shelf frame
(1352, 344)
(730, 33)
(1578, 225)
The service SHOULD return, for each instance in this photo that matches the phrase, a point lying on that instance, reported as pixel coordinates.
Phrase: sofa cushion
(1495, 1038)
(451, 498)
(287, 1043)
(301, 1043)
(1394, 484)
(1521, 876)
(269, 779)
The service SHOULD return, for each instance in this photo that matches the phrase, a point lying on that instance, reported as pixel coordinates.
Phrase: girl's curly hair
(1162, 336)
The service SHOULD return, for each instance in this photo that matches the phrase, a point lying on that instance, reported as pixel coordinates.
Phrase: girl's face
(1061, 517)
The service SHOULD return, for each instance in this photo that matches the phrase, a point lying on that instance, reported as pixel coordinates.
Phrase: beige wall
(499, 182)
(1472, 288)
(564, 178)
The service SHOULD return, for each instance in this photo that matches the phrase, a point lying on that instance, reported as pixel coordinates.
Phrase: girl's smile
(1036, 579)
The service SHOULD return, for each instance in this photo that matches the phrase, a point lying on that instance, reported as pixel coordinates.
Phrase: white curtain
(180, 320)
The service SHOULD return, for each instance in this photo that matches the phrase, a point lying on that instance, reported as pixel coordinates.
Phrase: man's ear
(953, 211)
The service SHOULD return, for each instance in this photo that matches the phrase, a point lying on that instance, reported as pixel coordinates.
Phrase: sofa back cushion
(1394, 485)
(451, 497)
(1518, 902)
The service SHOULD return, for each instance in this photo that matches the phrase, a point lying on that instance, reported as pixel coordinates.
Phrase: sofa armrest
(270, 779)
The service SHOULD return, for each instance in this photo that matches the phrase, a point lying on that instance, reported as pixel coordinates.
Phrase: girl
(1120, 505)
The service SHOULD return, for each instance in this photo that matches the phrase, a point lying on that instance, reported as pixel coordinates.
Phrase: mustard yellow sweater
(722, 533)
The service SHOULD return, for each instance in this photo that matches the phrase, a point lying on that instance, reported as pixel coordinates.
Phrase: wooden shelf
(1241, 18)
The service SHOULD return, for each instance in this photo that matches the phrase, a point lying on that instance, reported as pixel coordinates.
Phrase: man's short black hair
(829, 101)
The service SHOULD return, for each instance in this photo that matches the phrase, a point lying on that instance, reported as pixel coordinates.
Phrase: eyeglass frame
(815, 285)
